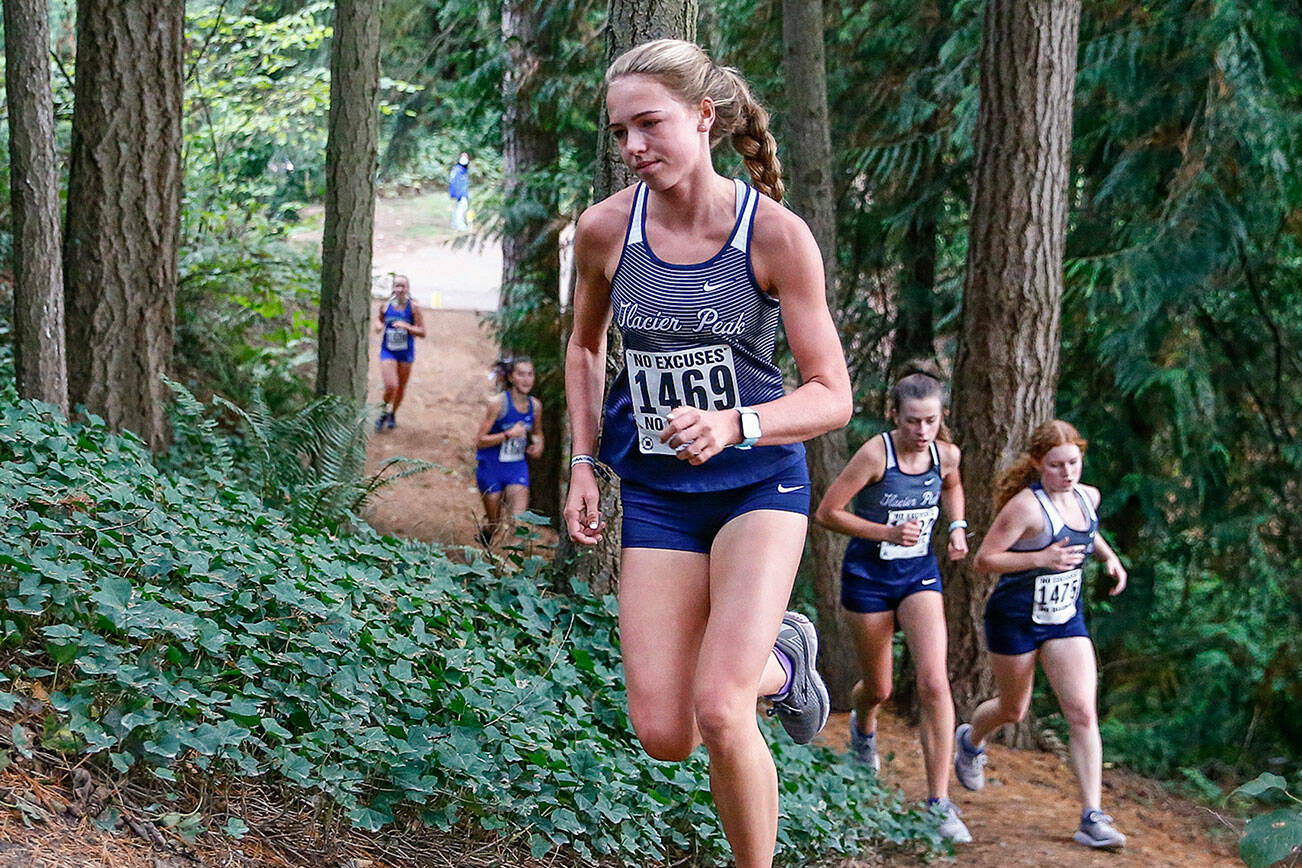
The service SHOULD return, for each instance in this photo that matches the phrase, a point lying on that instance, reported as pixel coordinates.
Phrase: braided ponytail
(687, 72)
(755, 143)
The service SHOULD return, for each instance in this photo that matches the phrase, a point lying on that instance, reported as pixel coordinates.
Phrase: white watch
(750, 428)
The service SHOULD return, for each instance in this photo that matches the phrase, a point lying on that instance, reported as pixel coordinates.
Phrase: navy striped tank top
(700, 334)
(898, 498)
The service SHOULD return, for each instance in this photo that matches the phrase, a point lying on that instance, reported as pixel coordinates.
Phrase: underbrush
(163, 626)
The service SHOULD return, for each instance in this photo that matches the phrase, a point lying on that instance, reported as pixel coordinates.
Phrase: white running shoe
(969, 764)
(1096, 830)
(952, 827)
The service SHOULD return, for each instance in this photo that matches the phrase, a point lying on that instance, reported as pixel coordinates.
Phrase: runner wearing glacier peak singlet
(1045, 530)
(902, 479)
(692, 267)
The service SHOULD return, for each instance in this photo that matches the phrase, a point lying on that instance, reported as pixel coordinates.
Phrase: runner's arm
(789, 265)
(535, 447)
(1104, 552)
(484, 440)
(952, 500)
(865, 468)
(595, 237)
(417, 327)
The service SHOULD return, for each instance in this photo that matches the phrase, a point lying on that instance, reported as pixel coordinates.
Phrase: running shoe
(969, 762)
(952, 827)
(803, 709)
(1096, 830)
(864, 747)
(392, 423)
(380, 422)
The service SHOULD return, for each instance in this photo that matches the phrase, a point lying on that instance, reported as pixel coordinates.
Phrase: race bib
(890, 551)
(1055, 597)
(512, 449)
(396, 340)
(702, 377)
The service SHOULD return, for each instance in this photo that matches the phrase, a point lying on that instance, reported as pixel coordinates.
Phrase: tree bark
(531, 262)
(1007, 366)
(629, 23)
(39, 348)
(813, 198)
(123, 221)
(350, 200)
(915, 336)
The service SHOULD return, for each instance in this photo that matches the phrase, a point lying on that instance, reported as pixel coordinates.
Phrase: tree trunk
(629, 23)
(531, 261)
(812, 197)
(124, 218)
(350, 200)
(1007, 366)
(914, 333)
(39, 357)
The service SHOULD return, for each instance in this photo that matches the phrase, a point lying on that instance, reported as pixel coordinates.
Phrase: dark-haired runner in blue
(692, 267)
(510, 430)
(902, 478)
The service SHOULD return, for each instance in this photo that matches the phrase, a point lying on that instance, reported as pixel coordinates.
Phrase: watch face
(750, 427)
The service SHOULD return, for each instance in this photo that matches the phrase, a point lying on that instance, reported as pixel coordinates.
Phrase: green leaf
(1271, 838)
(1262, 784)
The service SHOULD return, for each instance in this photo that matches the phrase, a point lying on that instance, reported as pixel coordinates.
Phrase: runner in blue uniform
(903, 478)
(511, 429)
(1045, 530)
(400, 323)
(692, 267)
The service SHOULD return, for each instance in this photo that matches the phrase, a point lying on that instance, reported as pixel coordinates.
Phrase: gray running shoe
(803, 710)
(1096, 830)
(864, 747)
(952, 827)
(969, 765)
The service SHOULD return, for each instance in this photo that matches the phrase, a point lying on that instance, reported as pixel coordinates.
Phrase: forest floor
(1023, 818)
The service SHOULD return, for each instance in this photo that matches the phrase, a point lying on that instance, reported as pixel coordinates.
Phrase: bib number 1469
(702, 377)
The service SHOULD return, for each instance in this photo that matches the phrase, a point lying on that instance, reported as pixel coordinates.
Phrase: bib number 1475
(702, 377)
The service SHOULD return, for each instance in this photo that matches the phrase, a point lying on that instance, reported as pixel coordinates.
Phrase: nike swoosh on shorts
(787, 489)
(928, 582)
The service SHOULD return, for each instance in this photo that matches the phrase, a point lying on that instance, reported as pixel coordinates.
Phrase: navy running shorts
(493, 476)
(688, 521)
(870, 584)
(406, 357)
(1010, 629)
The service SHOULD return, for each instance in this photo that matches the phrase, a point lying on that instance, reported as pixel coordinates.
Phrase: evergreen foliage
(179, 625)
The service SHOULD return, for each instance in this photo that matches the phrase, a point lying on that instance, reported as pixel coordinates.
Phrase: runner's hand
(957, 544)
(1118, 574)
(534, 449)
(906, 534)
(1060, 556)
(583, 507)
(516, 430)
(699, 435)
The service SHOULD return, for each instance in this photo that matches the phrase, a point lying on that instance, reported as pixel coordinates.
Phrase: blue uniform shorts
(688, 521)
(493, 476)
(406, 357)
(870, 584)
(1009, 628)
